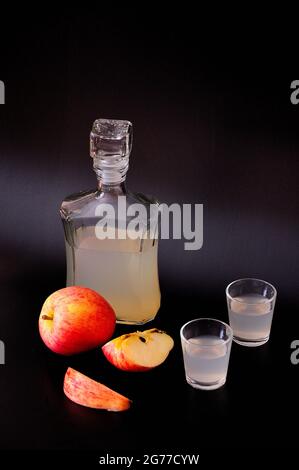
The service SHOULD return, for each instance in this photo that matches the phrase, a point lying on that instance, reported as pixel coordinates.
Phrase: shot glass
(250, 305)
(206, 345)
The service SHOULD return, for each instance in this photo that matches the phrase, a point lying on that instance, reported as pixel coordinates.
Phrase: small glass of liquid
(206, 345)
(250, 305)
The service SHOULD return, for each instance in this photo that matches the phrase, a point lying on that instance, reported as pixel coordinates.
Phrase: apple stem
(45, 317)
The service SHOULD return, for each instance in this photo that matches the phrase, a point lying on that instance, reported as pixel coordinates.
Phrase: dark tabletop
(258, 401)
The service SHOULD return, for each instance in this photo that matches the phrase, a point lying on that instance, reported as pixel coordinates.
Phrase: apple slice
(87, 392)
(139, 351)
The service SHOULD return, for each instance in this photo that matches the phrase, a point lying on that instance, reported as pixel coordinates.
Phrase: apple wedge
(87, 392)
(139, 351)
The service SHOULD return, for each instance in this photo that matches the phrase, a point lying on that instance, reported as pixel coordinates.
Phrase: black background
(213, 124)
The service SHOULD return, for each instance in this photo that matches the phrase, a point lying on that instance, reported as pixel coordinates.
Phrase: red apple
(140, 351)
(87, 392)
(75, 319)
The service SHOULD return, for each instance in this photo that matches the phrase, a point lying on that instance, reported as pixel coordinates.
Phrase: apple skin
(87, 392)
(75, 319)
(113, 352)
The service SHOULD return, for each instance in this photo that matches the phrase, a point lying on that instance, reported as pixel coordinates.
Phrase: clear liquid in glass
(250, 317)
(206, 361)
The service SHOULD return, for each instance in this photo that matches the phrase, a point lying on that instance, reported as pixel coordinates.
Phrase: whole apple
(75, 319)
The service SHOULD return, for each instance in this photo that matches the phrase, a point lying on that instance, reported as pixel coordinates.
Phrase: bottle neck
(115, 189)
(112, 170)
(110, 147)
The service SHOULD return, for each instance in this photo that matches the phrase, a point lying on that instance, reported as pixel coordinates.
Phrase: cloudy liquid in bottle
(122, 270)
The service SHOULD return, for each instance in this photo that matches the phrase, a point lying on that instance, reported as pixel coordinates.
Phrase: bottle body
(122, 268)
(108, 248)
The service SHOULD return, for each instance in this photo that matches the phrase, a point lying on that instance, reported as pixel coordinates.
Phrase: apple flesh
(87, 392)
(75, 319)
(139, 351)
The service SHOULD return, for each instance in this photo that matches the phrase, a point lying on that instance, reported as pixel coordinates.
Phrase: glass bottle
(111, 234)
